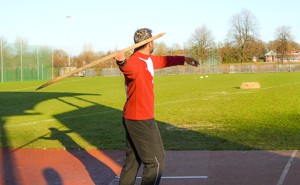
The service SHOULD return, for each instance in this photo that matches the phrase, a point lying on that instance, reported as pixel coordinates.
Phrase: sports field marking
(217, 94)
(283, 85)
(181, 177)
(49, 120)
(30, 123)
(204, 97)
(287, 168)
(117, 178)
(16, 90)
(176, 177)
(34, 87)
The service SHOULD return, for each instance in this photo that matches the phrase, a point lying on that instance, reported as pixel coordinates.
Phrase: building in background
(272, 56)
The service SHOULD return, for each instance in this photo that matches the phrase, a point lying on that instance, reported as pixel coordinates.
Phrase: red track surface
(80, 167)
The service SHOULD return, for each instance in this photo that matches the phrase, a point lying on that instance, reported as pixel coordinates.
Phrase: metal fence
(216, 69)
(21, 62)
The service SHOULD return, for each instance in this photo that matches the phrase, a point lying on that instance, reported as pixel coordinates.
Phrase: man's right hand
(120, 56)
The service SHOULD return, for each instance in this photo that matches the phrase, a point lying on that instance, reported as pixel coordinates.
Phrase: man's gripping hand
(120, 55)
(191, 61)
(120, 58)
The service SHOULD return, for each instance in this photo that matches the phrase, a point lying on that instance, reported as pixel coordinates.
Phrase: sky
(110, 25)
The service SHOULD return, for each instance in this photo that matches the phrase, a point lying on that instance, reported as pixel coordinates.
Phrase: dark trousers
(143, 145)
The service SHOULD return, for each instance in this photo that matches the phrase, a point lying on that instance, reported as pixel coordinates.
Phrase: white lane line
(117, 178)
(282, 85)
(63, 118)
(204, 97)
(34, 87)
(287, 168)
(16, 90)
(219, 94)
(185, 177)
(177, 177)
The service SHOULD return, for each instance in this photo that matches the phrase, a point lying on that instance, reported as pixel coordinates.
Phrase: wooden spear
(96, 62)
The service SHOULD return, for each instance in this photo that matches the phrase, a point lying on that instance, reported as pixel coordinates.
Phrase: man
(143, 140)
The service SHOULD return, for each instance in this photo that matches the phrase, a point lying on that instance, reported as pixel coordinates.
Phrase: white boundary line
(34, 87)
(182, 177)
(49, 120)
(175, 177)
(204, 97)
(287, 168)
(222, 94)
(117, 178)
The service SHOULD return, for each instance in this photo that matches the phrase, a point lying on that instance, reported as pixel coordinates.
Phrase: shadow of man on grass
(94, 167)
(104, 130)
(101, 127)
(18, 104)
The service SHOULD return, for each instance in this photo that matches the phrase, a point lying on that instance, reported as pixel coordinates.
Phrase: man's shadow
(19, 104)
(24, 103)
(52, 177)
(93, 166)
(99, 125)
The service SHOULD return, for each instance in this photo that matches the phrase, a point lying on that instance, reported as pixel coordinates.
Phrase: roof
(270, 53)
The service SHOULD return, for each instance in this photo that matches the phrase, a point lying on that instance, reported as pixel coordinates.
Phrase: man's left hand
(191, 61)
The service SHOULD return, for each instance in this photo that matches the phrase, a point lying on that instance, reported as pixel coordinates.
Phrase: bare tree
(60, 58)
(294, 46)
(257, 49)
(201, 41)
(244, 30)
(176, 49)
(87, 55)
(160, 48)
(227, 53)
(283, 37)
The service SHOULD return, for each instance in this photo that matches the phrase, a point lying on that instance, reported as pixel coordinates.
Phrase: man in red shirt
(143, 140)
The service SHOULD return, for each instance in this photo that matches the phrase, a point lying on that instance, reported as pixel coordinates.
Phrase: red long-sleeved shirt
(138, 72)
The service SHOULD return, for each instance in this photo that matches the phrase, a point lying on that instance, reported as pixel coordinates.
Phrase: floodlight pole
(69, 18)
(52, 60)
(38, 65)
(1, 62)
(21, 62)
(42, 71)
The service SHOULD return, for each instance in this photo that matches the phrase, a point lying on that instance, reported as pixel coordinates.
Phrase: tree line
(243, 41)
(241, 45)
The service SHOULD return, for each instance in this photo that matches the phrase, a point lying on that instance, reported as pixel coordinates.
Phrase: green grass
(206, 114)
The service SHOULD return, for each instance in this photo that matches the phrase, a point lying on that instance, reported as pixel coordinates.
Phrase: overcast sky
(107, 25)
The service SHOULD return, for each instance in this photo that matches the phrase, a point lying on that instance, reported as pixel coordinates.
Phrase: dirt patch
(250, 85)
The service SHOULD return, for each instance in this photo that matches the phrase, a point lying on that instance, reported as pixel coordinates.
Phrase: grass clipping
(250, 85)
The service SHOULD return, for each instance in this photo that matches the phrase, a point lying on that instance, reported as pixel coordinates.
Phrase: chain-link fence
(216, 69)
(21, 62)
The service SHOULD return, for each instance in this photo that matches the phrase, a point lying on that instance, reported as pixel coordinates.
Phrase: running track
(81, 167)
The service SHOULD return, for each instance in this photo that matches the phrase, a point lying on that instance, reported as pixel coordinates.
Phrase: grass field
(193, 113)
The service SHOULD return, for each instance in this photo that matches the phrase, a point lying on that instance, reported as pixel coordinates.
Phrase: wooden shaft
(96, 62)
